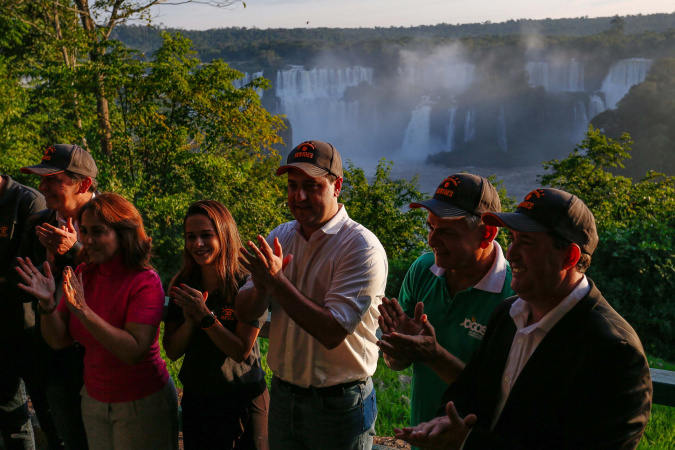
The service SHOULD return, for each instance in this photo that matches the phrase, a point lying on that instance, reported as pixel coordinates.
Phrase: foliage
(647, 112)
(185, 133)
(379, 206)
(634, 264)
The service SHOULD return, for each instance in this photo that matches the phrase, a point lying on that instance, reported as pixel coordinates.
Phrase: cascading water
(501, 130)
(622, 76)
(450, 132)
(416, 140)
(580, 119)
(556, 76)
(313, 100)
(470, 126)
(595, 106)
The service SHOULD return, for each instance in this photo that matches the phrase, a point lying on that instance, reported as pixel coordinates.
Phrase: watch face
(207, 321)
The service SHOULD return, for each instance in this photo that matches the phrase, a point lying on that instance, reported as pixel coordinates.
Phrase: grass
(393, 400)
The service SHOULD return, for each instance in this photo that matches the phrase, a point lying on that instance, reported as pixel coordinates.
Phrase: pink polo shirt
(119, 295)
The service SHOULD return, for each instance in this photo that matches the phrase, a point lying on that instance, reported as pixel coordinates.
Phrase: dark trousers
(15, 425)
(18, 362)
(226, 421)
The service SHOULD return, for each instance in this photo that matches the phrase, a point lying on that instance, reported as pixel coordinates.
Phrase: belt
(337, 390)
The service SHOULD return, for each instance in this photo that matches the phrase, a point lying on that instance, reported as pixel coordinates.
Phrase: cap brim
(513, 221)
(41, 169)
(440, 209)
(309, 169)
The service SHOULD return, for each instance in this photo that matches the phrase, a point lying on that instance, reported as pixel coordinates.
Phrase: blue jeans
(313, 422)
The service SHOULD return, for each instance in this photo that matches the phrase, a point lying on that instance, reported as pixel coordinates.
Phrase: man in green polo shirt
(447, 296)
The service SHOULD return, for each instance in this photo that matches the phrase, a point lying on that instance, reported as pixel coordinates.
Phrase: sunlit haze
(380, 13)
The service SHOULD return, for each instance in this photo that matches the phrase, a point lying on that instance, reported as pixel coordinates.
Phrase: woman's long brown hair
(123, 217)
(228, 268)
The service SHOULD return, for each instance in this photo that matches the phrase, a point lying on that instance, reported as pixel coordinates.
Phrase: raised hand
(393, 319)
(192, 301)
(40, 286)
(57, 240)
(420, 347)
(73, 291)
(264, 264)
(445, 432)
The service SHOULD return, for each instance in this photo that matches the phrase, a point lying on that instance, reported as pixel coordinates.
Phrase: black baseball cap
(315, 158)
(551, 210)
(462, 194)
(62, 157)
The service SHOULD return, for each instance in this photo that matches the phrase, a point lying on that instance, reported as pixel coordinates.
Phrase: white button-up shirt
(342, 267)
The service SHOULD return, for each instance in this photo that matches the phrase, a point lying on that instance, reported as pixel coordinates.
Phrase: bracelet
(49, 310)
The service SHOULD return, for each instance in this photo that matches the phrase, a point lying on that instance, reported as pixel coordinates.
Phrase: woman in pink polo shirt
(113, 306)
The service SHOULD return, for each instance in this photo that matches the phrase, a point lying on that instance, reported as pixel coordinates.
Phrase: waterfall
(416, 140)
(450, 132)
(595, 106)
(622, 76)
(580, 119)
(556, 76)
(314, 104)
(501, 130)
(470, 125)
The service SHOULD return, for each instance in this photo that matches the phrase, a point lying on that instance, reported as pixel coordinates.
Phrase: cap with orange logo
(315, 158)
(462, 194)
(551, 210)
(62, 157)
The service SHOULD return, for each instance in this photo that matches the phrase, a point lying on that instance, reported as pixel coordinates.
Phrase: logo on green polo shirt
(476, 330)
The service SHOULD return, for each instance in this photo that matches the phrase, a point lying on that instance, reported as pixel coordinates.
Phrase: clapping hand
(40, 286)
(406, 339)
(393, 319)
(264, 264)
(57, 240)
(445, 432)
(73, 292)
(192, 301)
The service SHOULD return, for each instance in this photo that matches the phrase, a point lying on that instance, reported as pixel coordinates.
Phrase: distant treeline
(250, 48)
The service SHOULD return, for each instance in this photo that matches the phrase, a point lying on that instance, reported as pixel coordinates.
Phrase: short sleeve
(146, 300)
(358, 282)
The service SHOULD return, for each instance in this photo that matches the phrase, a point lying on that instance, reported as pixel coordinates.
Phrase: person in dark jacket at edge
(17, 203)
(68, 182)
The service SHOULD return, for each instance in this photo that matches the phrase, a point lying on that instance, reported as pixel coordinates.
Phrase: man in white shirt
(323, 296)
(558, 367)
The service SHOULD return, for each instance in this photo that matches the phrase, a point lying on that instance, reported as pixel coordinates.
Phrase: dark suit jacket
(587, 385)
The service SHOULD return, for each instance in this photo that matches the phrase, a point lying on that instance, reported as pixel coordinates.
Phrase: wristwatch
(207, 321)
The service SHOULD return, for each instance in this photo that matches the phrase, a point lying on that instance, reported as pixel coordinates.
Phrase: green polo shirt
(459, 322)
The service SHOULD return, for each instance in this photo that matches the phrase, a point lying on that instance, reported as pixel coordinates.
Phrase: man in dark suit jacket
(558, 367)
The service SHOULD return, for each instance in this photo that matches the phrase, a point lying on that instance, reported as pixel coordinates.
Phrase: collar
(521, 310)
(331, 227)
(493, 281)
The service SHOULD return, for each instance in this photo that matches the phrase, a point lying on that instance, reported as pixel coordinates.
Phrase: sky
(386, 13)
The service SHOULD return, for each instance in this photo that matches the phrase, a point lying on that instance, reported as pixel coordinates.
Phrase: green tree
(380, 205)
(186, 133)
